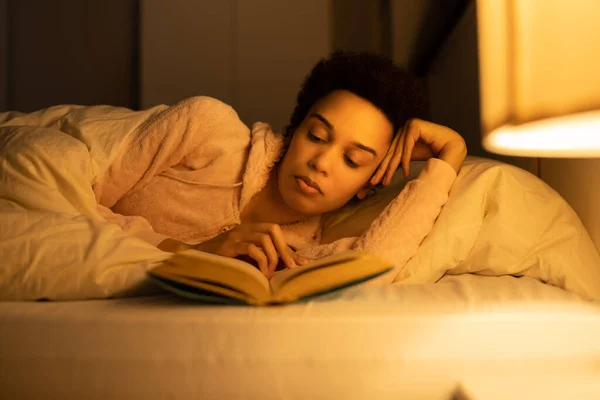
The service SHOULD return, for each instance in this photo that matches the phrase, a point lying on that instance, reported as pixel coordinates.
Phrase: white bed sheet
(409, 341)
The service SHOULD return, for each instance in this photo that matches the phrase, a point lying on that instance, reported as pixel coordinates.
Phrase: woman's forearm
(454, 153)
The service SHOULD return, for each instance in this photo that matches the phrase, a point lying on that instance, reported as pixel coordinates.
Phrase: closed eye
(350, 162)
(314, 138)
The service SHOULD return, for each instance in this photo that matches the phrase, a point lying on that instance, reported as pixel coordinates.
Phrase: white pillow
(499, 220)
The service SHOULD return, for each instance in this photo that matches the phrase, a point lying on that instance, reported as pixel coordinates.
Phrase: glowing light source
(539, 64)
(576, 135)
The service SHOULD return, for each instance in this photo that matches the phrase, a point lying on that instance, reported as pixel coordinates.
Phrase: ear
(364, 191)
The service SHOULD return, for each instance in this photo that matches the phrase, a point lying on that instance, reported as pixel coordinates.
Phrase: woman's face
(333, 153)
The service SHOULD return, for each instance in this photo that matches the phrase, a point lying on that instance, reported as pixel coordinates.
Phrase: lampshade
(539, 66)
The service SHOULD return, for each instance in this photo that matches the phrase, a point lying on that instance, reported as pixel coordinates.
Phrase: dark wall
(360, 25)
(3, 53)
(87, 52)
(70, 51)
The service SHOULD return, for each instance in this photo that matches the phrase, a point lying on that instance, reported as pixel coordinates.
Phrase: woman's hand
(264, 243)
(420, 140)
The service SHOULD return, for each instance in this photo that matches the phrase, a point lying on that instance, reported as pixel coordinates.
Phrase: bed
(507, 283)
(413, 341)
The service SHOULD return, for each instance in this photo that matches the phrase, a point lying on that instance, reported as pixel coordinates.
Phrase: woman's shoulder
(210, 118)
(206, 104)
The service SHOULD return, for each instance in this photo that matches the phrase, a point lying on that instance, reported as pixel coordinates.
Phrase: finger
(395, 161)
(382, 168)
(266, 244)
(391, 171)
(299, 259)
(281, 245)
(409, 144)
(256, 254)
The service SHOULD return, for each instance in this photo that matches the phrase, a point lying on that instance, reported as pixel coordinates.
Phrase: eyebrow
(330, 127)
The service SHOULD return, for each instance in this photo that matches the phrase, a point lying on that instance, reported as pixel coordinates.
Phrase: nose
(322, 160)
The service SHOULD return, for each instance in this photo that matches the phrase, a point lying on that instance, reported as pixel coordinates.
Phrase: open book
(217, 279)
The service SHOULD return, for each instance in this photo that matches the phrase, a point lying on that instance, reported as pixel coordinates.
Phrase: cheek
(345, 187)
(294, 149)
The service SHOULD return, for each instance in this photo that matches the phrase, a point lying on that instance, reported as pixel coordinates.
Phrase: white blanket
(55, 244)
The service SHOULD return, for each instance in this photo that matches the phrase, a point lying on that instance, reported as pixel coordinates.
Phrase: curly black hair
(399, 95)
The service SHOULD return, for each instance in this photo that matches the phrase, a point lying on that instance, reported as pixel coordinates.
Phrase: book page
(328, 273)
(194, 265)
(285, 275)
(168, 281)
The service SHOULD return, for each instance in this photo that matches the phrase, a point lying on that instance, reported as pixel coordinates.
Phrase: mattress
(399, 341)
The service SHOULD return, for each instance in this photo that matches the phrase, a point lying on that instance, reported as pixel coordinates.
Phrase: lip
(309, 182)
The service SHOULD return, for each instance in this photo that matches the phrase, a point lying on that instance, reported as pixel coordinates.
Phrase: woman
(258, 193)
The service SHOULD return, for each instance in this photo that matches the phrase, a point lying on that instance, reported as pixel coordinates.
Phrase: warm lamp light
(539, 65)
